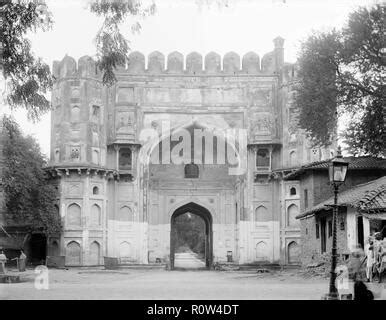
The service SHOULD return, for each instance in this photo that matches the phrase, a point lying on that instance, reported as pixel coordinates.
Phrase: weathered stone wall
(83, 209)
(311, 246)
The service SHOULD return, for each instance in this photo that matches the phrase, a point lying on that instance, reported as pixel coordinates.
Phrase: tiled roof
(355, 163)
(364, 197)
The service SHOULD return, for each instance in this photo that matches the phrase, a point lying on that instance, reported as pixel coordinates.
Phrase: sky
(187, 25)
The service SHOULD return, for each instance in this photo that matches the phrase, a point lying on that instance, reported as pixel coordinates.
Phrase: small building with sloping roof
(361, 213)
(314, 187)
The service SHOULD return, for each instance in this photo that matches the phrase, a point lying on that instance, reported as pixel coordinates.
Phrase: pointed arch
(292, 212)
(261, 251)
(73, 254)
(95, 215)
(125, 214)
(261, 214)
(152, 141)
(54, 248)
(74, 216)
(293, 253)
(202, 212)
(95, 253)
(95, 190)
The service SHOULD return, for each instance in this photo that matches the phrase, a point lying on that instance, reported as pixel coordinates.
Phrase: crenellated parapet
(174, 63)
(193, 63)
(68, 67)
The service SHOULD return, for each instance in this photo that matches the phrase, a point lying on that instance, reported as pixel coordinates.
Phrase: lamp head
(338, 168)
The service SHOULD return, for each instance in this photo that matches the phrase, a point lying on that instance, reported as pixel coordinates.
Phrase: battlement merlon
(195, 64)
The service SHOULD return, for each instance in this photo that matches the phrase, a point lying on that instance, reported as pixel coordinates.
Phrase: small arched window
(75, 114)
(293, 191)
(262, 158)
(95, 190)
(292, 158)
(125, 159)
(191, 171)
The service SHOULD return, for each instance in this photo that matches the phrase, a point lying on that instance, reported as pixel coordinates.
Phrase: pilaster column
(85, 220)
(116, 148)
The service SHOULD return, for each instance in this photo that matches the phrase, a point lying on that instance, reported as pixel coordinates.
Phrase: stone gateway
(130, 159)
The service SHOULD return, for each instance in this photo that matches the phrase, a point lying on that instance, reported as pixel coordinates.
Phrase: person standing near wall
(3, 260)
(369, 251)
(22, 261)
(357, 272)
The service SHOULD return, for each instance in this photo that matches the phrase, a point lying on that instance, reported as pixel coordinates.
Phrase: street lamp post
(337, 174)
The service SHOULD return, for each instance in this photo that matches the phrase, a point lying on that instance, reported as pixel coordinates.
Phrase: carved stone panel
(261, 124)
(125, 124)
(260, 97)
(75, 153)
(74, 188)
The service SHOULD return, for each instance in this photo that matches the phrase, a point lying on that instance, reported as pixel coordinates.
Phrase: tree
(28, 77)
(29, 198)
(340, 72)
(112, 47)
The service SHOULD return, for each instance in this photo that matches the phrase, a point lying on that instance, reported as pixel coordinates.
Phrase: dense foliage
(112, 46)
(29, 198)
(28, 77)
(342, 72)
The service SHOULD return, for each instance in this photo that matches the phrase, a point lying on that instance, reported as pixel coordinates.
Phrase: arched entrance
(37, 248)
(194, 246)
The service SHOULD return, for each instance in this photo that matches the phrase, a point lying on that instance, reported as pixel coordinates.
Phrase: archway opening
(37, 248)
(191, 238)
(293, 253)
